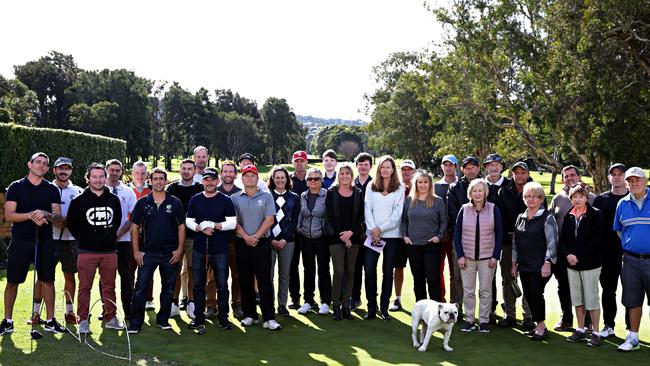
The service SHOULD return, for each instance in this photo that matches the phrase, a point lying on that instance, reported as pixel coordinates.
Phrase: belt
(637, 255)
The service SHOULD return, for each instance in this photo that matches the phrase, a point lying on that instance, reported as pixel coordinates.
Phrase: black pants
(357, 283)
(294, 273)
(609, 275)
(316, 251)
(563, 290)
(168, 282)
(533, 284)
(255, 263)
(125, 270)
(371, 260)
(425, 266)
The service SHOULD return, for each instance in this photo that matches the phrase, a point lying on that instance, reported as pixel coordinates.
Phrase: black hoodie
(94, 220)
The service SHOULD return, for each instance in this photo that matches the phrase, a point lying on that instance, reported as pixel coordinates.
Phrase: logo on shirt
(168, 208)
(100, 216)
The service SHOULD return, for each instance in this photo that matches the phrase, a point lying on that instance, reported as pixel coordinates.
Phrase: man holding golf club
(32, 205)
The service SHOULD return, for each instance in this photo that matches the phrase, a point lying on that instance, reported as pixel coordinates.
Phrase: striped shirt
(634, 224)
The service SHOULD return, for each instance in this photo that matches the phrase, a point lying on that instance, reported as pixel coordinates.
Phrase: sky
(318, 55)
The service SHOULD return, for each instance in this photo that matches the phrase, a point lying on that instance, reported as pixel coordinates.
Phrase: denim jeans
(145, 275)
(219, 264)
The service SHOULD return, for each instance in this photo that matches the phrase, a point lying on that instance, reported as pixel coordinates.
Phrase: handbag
(516, 290)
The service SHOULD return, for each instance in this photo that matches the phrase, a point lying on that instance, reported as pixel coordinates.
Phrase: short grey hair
(199, 148)
(138, 164)
(314, 171)
(478, 181)
(534, 188)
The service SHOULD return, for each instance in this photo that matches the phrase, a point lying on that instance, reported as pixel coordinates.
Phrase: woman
(287, 209)
(580, 244)
(344, 214)
(384, 203)
(478, 235)
(534, 248)
(312, 226)
(424, 222)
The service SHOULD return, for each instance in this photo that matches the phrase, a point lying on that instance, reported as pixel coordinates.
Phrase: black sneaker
(6, 327)
(193, 325)
(483, 328)
(183, 304)
(507, 322)
(282, 310)
(576, 336)
(528, 324)
(354, 304)
(225, 324)
(467, 327)
(294, 305)
(493, 319)
(54, 327)
(397, 306)
(164, 326)
(133, 330)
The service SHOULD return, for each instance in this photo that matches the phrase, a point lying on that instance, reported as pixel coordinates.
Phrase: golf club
(34, 334)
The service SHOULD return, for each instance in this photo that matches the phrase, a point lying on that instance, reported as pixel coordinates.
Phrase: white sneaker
(272, 325)
(114, 323)
(84, 327)
(629, 345)
(324, 309)
(175, 311)
(607, 331)
(304, 309)
(190, 310)
(149, 306)
(248, 321)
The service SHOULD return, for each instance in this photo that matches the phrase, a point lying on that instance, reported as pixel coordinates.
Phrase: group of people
(210, 226)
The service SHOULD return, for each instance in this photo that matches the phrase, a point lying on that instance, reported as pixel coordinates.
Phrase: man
(66, 245)
(211, 215)
(511, 203)
(456, 197)
(160, 218)
(228, 187)
(201, 157)
(246, 159)
(32, 204)
(494, 166)
(184, 189)
(363, 162)
(141, 189)
(125, 266)
(631, 223)
(560, 206)
(449, 164)
(93, 218)
(255, 216)
(298, 185)
(329, 163)
(606, 202)
(407, 170)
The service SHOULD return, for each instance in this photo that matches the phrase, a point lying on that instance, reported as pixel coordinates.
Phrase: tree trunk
(553, 178)
(598, 170)
(168, 162)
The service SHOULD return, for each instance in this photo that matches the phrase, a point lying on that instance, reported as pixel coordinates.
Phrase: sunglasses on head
(313, 179)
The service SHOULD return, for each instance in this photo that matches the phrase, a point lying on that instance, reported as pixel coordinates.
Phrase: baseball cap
(210, 173)
(63, 161)
(635, 171)
(249, 168)
(493, 157)
(248, 156)
(520, 164)
(299, 155)
(407, 162)
(450, 158)
(39, 154)
(616, 166)
(470, 160)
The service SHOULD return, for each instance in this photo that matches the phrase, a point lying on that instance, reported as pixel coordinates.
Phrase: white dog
(434, 316)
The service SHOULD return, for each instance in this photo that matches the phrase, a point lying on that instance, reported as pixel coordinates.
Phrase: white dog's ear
(456, 305)
(440, 307)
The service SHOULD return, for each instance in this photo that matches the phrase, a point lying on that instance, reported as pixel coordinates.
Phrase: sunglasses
(313, 179)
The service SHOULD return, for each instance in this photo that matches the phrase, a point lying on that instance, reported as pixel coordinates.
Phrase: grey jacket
(313, 224)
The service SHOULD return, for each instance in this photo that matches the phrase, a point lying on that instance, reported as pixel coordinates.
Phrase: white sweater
(384, 212)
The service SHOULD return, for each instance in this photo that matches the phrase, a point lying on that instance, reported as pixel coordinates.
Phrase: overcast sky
(316, 54)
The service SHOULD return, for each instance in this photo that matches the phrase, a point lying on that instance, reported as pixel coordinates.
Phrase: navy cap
(63, 161)
(248, 156)
(493, 157)
(210, 173)
(470, 160)
(616, 166)
(520, 164)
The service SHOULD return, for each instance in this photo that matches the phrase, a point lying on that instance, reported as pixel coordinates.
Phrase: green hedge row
(18, 143)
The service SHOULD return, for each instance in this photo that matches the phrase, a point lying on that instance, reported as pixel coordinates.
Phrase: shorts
(584, 288)
(67, 252)
(20, 255)
(401, 255)
(635, 278)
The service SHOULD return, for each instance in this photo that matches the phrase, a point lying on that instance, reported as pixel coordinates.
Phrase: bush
(18, 143)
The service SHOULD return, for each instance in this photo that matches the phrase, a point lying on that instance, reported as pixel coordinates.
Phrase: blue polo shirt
(29, 197)
(159, 231)
(215, 209)
(634, 224)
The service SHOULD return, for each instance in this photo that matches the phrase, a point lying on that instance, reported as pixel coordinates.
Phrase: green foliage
(346, 140)
(283, 131)
(20, 142)
(17, 103)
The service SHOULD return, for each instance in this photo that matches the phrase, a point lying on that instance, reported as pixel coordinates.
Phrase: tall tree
(284, 132)
(18, 104)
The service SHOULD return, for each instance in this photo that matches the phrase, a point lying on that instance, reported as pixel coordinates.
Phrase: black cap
(493, 157)
(469, 160)
(210, 173)
(520, 164)
(616, 166)
(248, 156)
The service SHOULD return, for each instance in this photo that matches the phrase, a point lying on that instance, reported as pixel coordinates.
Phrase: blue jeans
(219, 264)
(145, 275)
(371, 259)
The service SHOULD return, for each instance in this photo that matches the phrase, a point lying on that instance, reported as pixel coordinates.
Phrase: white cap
(407, 162)
(635, 171)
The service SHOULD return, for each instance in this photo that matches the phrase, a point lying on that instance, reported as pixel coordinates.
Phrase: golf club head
(35, 334)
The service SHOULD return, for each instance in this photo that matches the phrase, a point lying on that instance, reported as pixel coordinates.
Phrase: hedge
(18, 143)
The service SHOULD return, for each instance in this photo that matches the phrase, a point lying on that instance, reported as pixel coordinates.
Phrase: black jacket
(511, 203)
(586, 243)
(334, 215)
(456, 197)
(94, 220)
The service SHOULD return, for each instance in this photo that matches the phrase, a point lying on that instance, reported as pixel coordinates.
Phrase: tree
(177, 114)
(283, 131)
(17, 103)
(345, 140)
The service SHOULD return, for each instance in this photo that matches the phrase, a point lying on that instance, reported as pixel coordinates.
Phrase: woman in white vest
(477, 237)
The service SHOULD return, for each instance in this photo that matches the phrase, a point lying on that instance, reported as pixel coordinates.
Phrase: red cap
(249, 168)
(299, 155)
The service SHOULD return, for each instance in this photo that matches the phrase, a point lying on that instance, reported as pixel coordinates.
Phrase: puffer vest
(487, 234)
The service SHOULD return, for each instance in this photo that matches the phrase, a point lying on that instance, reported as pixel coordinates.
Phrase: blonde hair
(348, 167)
(431, 197)
(473, 184)
(534, 188)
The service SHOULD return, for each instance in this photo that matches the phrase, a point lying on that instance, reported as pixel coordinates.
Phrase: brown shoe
(563, 327)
